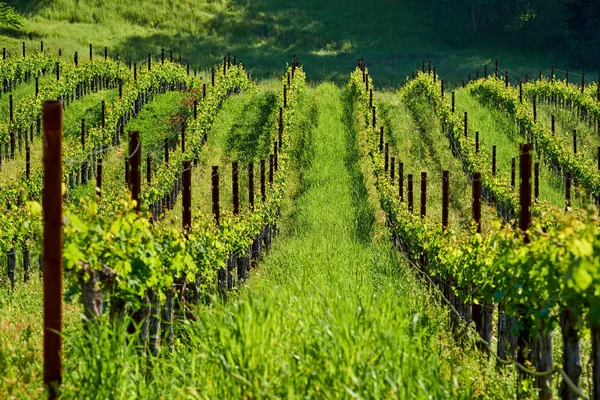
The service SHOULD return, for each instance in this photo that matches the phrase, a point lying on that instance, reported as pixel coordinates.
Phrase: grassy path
(331, 313)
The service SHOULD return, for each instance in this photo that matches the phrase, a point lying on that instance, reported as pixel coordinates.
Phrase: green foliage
(9, 17)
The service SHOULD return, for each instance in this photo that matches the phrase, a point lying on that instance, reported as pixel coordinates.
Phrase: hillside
(392, 36)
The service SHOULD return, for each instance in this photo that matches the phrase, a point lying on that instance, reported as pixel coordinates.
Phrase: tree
(9, 17)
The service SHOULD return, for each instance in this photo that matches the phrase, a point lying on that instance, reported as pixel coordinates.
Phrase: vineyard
(171, 232)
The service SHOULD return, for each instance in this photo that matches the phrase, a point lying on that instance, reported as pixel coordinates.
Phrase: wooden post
(582, 82)
(212, 79)
(262, 181)
(23, 49)
(374, 117)
(215, 193)
(103, 115)
(370, 98)
(476, 186)
(135, 151)
(235, 188)
(135, 72)
(251, 185)
(275, 158)
(575, 141)
(520, 92)
(381, 139)
(445, 198)
(392, 167)
(552, 74)
(183, 138)
(493, 160)
(567, 77)
(99, 176)
(410, 192)
(536, 180)
(367, 82)
(27, 163)
(284, 96)
(270, 169)
(485, 71)
(386, 158)
(477, 74)
(568, 190)
(534, 109)
(496, 67)
(11, 108)
(453, 109)
(552, 125)
(466, 124)
(506, 79)
(57, 71)
(525, 188)
(423, 194)
(91, 52)
(196, 108)
(37, 86)
(186, 196)
(476, 142)
(442, 83)
(162, 56)
(204, 90)
(401, 181)
(513, 168)
(280, 131)
(166, 146)
(52, 259)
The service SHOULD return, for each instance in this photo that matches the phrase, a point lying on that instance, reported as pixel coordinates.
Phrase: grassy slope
(496, 128)
(327, 36)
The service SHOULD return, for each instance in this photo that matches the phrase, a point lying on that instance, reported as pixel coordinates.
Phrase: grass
(497, 128)
(416, 139)
(327, 37)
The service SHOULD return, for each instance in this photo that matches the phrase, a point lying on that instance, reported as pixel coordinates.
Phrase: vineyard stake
(370, 98)
(105, 53)
(251, 185)
(367, 82)
(103, 115)
(99, 176)
(374, 117)
(57, 71)
(186, 196)
(275, 163)
(445, 198)
(37, 87)
(568, 191)
(162, 56)
(410, 192)
(392, 167)
(270, 169)
(534, 110)
(536, 180)
(485, 71)
(567, 77)
(27, 162)
(525, 188)
(215, 193)
(442, 83)
(204, 90)
(466, 123)
(506, 78)
(575, 141)
(135, 72)
(280, 126)
(149, 62)
(453, 109)
(429, 68)
(553, 125)
(23, 49)
(526, 78)
(423, 194)
(91, 52)
(52, 260)
(476, 142)
(213, 77)
(386, 158)
(496, 67)
(477, 74)
(381, 139)
(183, 138)
(520, 92)
(134, 159)
(582, 82)
(195, 109)
(401, 181)
(493, 160)
(263, 193)
(513, 168)
(76, 59)
(284, 96)
(10, 107)
(148, 169)
(476, 191)
(235, 187)
(166, 146)
(552, 77)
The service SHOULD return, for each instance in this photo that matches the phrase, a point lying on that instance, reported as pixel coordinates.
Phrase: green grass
(497, 128)
(328, 37)
(417, 140)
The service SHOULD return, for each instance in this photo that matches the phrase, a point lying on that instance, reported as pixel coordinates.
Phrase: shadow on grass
(364, 217)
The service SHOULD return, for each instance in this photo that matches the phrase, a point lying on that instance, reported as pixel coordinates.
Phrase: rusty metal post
(466, 126)
(374, 116)
(284, 96)
(52, 259)
(476, 142)
(270, 169)
(493, 160)
(453, 102)
(381, 139)
(410, 192)
(401, 181)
